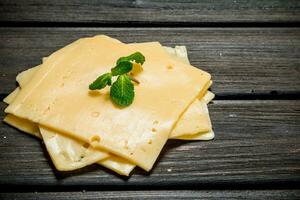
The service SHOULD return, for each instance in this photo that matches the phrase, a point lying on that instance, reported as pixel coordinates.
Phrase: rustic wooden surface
(161, 194)
(149, 11)
(252, 50)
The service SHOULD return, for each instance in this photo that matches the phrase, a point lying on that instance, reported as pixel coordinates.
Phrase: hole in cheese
(95, 114)
(155, 122)
(86, 145)
(95, 138)
(170, 66)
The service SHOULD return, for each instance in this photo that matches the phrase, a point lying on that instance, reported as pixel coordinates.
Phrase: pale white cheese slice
(52, 93)
(179, 52)
(68, 153)
(208, 97)
(118, 165)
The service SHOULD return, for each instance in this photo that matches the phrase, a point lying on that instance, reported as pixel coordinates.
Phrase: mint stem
(134, 79)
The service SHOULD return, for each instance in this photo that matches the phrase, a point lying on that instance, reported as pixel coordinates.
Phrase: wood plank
(160, 194)
(257, 142)
(145, 11)
(241, 60)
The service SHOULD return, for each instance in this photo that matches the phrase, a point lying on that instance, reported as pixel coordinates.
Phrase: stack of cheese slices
(80, 127)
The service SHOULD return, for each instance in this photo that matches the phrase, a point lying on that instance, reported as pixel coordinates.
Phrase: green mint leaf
(122, 91)
(121, 68)
(137, 57)
(101, 82)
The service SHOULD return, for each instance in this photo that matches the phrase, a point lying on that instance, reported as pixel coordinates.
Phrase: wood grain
(148, 12)
(257, 142)
(161, 194)
(241, 60)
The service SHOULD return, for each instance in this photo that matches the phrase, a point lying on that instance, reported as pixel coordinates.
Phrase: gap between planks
(133, 24)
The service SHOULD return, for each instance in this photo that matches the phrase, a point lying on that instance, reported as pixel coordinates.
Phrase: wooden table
(252, 50)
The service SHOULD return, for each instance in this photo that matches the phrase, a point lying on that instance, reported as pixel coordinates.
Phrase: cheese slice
(60, 87)
(24, 77)
(197, 115)
(11, 96)
(205, 122)
(179, 52)
(68, 153)
(23, 125)
(117, 164)
(208, 97)
(200, 136)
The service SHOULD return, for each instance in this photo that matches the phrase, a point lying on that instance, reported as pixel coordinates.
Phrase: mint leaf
(121, 68)
(122, 91)
(137, 57)
(101, 82)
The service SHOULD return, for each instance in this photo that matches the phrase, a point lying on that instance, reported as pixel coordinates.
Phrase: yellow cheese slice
(24, 77)
(23, 125)
(200, 136)
(51, 92)
(117, 164)
(206, 135)
(11, 96)
(197, 116)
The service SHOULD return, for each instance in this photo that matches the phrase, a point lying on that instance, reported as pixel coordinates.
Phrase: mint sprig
(122, 90)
